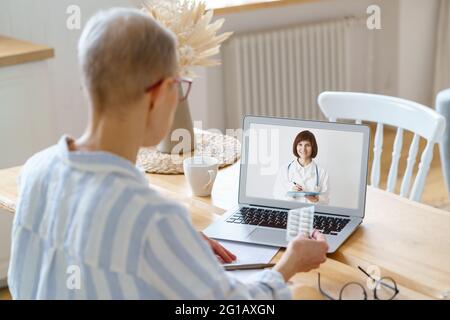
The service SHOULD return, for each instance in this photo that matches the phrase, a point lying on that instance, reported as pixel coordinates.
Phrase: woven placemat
(226, 149)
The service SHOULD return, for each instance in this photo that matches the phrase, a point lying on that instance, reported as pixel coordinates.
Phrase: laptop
(289, 164)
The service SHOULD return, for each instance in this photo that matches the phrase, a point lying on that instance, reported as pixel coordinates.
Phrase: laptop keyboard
(260, 217)
(278, 219)
(330, 225)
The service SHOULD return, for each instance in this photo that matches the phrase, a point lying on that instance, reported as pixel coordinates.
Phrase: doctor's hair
(305, 136)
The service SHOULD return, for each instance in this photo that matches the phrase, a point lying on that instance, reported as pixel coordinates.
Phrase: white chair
(443, 108)
(402, 114)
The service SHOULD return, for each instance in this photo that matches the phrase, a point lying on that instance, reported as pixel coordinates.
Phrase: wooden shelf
(13, 52)
(246, 5)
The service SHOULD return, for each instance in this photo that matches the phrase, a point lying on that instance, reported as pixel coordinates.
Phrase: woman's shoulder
(288, 164)
(284, 166)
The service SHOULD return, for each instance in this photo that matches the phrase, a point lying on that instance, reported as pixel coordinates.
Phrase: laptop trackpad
(266, 236)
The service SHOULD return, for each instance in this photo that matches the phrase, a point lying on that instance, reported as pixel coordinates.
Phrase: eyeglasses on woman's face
(184, 82)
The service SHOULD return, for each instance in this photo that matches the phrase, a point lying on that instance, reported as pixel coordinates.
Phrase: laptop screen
(306, 163)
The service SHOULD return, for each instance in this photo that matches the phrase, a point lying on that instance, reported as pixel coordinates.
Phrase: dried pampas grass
(197, 37)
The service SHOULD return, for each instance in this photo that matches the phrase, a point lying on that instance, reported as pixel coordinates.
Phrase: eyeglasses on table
(384, 288)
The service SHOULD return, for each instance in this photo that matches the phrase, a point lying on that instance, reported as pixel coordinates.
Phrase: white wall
(44, 22)
(385, 49)
(417, 39)
(403, 50)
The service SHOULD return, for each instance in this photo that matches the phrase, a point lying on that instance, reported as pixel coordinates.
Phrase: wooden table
(406, 240)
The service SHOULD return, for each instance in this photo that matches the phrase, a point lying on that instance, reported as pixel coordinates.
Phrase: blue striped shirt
(88, 226)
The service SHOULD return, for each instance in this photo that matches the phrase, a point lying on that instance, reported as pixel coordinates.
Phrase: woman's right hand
(303, 255)
(297, 187)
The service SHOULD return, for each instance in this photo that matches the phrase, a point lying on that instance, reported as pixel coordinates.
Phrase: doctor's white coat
(305, 177)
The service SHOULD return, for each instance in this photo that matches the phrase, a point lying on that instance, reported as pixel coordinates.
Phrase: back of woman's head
(121, 52)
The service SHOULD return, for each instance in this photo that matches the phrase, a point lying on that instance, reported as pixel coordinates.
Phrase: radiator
(281, 72)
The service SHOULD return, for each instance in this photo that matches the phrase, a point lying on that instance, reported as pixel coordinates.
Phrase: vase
(181, 138)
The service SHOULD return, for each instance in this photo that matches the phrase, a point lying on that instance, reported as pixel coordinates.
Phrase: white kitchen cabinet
(26, 112)
(6, 218)
(27, 122)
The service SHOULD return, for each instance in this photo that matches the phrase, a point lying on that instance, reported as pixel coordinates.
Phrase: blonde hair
(121, 52)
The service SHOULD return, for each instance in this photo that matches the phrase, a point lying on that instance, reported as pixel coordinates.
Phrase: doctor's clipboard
(296, 194)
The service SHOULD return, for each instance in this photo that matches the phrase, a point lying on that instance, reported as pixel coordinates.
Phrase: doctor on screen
(302, 179)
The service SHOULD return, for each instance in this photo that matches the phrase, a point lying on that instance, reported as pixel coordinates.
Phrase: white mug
(201, 172)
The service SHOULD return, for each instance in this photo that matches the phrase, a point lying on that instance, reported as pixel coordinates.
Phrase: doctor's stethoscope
(317, 174)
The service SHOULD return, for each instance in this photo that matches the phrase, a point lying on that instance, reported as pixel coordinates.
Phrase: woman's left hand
(313, 198)
(222, 254)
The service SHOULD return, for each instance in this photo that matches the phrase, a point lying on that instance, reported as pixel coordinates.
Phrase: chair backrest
(443, 108)
(402, 114)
